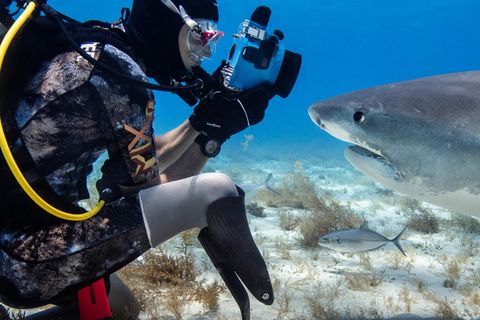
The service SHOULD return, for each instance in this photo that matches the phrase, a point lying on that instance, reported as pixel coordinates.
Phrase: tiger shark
(420, 137)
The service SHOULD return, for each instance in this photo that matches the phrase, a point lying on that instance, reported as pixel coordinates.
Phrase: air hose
(7, 154)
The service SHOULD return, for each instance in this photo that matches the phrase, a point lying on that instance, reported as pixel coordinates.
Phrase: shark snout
(315, 116)
(331, 117)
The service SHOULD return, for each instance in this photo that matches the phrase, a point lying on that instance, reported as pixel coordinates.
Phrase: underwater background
(346, 45)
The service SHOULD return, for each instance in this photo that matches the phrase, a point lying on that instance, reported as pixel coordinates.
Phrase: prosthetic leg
(123, 303)
(229, 244)
(212, 203)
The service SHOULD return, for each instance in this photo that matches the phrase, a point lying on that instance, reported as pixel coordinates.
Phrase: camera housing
(257, 56)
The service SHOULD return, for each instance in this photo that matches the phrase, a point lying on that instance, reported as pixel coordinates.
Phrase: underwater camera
(257, 56)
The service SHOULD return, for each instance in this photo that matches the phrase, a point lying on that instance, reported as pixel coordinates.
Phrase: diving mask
(201, 37)
(201, 40)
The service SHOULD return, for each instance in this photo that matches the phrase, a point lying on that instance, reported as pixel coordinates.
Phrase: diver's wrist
(210, 147)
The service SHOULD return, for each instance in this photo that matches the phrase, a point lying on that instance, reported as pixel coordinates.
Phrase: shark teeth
(368, 153)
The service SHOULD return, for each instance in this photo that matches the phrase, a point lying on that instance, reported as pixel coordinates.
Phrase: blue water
(346, 45)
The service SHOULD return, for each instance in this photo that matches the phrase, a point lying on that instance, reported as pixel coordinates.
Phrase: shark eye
(339, 241)
(359, 117)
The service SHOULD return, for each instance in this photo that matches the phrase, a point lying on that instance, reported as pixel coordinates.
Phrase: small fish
(248, 139)
(358, 240)
(251, 189)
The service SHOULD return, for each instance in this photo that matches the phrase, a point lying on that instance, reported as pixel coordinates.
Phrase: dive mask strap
(192, 24)
(170, 5)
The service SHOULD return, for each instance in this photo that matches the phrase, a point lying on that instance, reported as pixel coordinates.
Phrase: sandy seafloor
(412, 287)
(409, 287)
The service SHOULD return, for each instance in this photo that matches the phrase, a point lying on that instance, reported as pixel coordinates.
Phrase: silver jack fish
(358, 240)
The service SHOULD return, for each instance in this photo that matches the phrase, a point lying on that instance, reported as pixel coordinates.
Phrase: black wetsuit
(68, 114)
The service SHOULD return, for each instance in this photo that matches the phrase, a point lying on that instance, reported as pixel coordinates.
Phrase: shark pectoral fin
(268, 185)
(396, 241)
(269, 178)
(272, 190)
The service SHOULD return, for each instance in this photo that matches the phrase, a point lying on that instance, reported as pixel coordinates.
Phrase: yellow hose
(7, 154)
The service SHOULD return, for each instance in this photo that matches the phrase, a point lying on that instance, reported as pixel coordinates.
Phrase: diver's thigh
(44, 263)
(179, 205)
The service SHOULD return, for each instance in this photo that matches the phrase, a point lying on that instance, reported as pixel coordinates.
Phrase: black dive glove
(225, 112)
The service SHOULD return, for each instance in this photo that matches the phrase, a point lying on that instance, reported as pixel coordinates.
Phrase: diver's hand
(225, 112)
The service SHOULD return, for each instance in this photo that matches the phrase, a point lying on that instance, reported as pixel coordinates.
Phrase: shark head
(363, 121)
(420, 138)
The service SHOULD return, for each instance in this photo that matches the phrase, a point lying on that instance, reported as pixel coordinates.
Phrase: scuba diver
(61, 112)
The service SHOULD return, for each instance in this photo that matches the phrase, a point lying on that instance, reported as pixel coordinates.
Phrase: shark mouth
(367, 153)
(373, 164)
